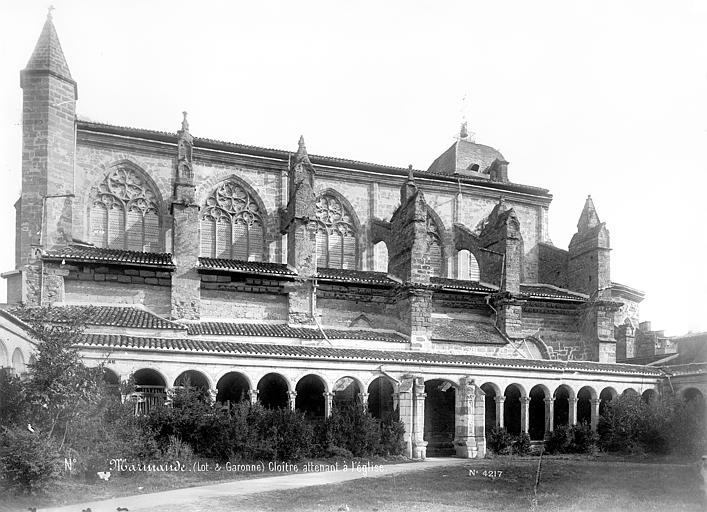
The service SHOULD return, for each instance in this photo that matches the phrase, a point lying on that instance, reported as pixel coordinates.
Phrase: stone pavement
(180, 497)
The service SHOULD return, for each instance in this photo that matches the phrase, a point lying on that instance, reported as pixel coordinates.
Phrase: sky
(607, 98)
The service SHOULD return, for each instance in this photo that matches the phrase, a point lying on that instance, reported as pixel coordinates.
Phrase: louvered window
(232, 225)
(434, 247)
(125, 213)
(336, 235)
(468, 267)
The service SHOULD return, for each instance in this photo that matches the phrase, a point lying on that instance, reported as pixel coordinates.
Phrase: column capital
(524, 400)
(596, 401)
(499, 399)
(292, 394)
(548, 400)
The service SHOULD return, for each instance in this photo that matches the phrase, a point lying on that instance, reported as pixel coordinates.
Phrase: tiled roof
(548, 291)
(461, 284)
(466, 331)
(113, 316)
(354, 276)
(285, 331)
(246, 267)
(77, 253)
(378, 356)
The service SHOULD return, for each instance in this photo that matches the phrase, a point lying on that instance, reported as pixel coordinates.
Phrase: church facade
(299, 280)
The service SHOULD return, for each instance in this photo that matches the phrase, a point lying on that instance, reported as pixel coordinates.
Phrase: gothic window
(125, 213)
(467, 266)
(232, 225)
(336, 234)
(434, 247)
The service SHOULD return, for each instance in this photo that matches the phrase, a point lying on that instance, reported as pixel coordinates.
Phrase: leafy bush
(560, 440)
(499, 441)
(391, 437)
(28, 461)
(584, 439)
(521, 444)
(352, 428)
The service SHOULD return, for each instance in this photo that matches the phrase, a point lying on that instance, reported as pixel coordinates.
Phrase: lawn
(565, 485)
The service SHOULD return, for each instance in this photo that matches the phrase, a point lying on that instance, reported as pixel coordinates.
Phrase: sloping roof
(246, 267)
(77, 253)
(462, 155)
(112, 316)
(48, 55)
(328, 353)
(466, 331)
(461, 284)
(548, 291)
(354, 276)
(285, 331)
(278, 154)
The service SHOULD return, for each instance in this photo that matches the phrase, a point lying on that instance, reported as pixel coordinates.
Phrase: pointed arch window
(232, 224)
(434, 247)
(467, 266)
(336, 234)
(125, 213)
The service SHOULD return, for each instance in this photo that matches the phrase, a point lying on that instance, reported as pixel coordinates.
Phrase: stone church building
(299, 280)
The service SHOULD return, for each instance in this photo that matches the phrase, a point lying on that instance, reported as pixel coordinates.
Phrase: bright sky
(599, 97)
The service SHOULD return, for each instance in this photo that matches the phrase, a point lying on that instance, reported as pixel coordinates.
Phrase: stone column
(212, 394)
(573, 410)
(549, 415)
(595, 413)
(469, 419)
(419, 444)
(363, 397)
(292, 396)
(328, 403)
(405, 408)
(499, 410)
(253, 395)
(524, 414)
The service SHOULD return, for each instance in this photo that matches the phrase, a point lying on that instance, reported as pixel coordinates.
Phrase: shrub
(391, 441)
(352, 428)
(560, 440)
(521, 444)
(28, 461)
(584, 439)
(499, 441)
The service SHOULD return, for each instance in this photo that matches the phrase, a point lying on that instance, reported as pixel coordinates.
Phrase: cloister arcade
(443, 414)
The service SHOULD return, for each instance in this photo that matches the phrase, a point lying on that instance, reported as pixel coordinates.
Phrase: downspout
(312, 311)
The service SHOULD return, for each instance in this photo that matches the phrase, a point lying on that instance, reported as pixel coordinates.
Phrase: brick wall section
(154, 297)
(225, 305)
(552, 265)
(186, 283)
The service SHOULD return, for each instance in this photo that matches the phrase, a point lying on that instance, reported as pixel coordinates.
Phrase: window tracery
(336, 234)
(125, 213)
(232, 224)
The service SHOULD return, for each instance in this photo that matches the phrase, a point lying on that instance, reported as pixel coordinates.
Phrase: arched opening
(490, 404)
(380, 398)
(439, 417)
(629, 392)
(346, 392)
(232, 223)
(606, 396)
(111, 382)
(232, 388)
(310, 396)
(649, 396)
(124, 211)
(149, 389)
(192, 379)
(561, 409)
(380, 257)
(18, 362)
(272, 391)
(337, 230)
(537, 413)
(511, 409)
(584, 405)
(467, 266)
(4, 359)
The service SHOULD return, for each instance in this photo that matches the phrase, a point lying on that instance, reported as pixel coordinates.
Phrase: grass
(566, 485)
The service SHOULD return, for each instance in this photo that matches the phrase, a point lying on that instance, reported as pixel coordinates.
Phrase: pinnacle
(48, 55)
(589, 218)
